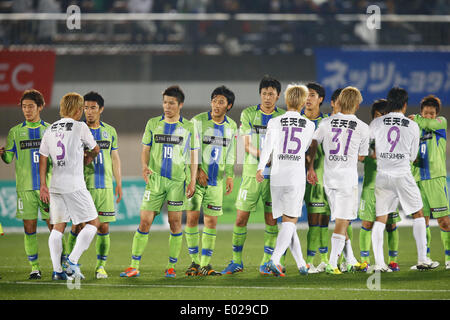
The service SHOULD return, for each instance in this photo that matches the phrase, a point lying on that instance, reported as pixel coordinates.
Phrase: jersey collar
(163, 117)
(225, 119)
(258, 107)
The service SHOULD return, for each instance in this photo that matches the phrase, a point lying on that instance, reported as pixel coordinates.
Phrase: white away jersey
(64, 142)
(396, 143)
(343, 137)
(287, 139)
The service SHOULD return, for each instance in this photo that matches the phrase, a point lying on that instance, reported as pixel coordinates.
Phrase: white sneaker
(382, 268)
(321, 267)
(427, 264)
(343, 266)
(311, 268)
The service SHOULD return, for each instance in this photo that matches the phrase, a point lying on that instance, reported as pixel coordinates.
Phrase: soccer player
(168, 146)
(287, 139)
(64, 142)
(366, 211)
(430, 170)
(334, 105)
(23, 143)
(345, 139)
(315, 198)
(99, 179)
(253, 127)
(396, 146)
(217, 135)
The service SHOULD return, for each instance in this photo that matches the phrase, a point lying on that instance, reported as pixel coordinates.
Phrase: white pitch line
(222, 287)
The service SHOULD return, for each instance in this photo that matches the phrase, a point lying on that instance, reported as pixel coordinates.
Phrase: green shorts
(316, 199)
(210, 198)
(28, 205)
(104, 203)
(366, 210)
(160, 189)
(434, 197)
(249, 193)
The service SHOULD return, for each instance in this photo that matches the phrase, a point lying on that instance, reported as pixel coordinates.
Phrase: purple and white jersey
(287, 139)
(64, 142)
(344, 137)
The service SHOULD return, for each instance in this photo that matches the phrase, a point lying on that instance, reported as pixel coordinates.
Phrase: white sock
(84, 240)
(348, 253)
(377, 242)
(283, 240)
(56, 248)
(337, 245)
(420, 235)
(296, 250)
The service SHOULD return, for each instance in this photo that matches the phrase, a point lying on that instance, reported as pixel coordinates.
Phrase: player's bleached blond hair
(70, 104)
(349, 99)
(295, 96)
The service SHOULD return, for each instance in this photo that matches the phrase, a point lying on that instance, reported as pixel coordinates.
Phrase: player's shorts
(104, 202)
(210, 198)
(316, 199)
(287, 200)
(434, 197)
(160, 189)
(343, 202)
(29, 204)
(366, 210)
(249, 193)
(77, 206)
(392, 192)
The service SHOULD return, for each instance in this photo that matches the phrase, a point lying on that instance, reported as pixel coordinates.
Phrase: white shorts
(287, 200)
(343, 202)
(393, 192)
(77, 206)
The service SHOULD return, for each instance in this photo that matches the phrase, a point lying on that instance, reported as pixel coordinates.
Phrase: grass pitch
(248, 285)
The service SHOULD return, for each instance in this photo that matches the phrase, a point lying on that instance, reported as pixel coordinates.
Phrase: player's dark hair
(34, 95)
(269, 82)
(336, 94)
(176, 92)
(94, 96)
(378, 105)
(317, 88)
(431, 101)
(396, 99)
(224, 91)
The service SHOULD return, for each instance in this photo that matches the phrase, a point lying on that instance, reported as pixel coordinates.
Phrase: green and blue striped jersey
(217, 146)
(431, 158)
(171, 143)
(99, 173)
(23, 143)
(254, 123)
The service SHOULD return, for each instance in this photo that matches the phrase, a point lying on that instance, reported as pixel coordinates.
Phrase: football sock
(296, 250)
(364, 244)
(420, 235)
(192, 239)
(239, 236)
(140, 240)
(31, 250)
(337, 245)
(55, 247)
(377, 242)
(102, 245)
(270, 240)
(392, 239)
(445, 237)
(428, 240)
(175, 242)
(71, 240)
(323, 243)
(284, 239)
(348, 253)
(208, 245)
(84, 240)
(312, 242)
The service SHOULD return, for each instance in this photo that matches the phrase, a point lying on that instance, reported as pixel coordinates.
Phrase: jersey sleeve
(431, 124)
(415, 143)
(319, 133)
(86, 136)
(147, 138)
(114, 139)
(10, 148)
(365, 142)
(231, 155)
(246, 126)
(43, 149)
(268, 146)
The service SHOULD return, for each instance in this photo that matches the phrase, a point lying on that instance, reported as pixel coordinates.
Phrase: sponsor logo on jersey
(168, 139)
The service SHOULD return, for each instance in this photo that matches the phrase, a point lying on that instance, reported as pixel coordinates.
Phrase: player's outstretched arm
(311, 175)
(44, 193)
(145, 158)
(117, 172)
(190, 190)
